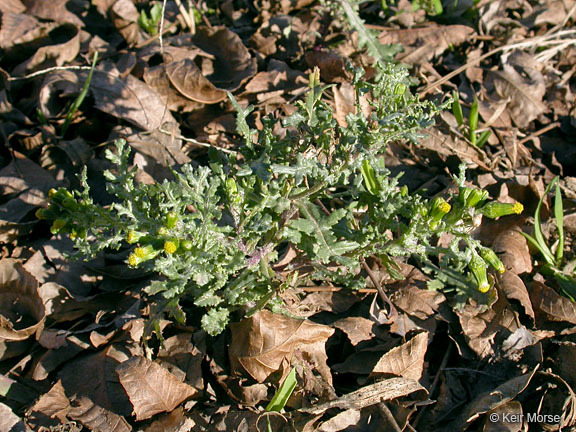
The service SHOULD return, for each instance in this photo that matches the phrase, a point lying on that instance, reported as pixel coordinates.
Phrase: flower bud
(57, 226)
(134, 236)
(471, 197)
(186, 245)
(438, 209)
(171, 219)
(145, 253)
(478, 268)
(491, 258)
(496, 209)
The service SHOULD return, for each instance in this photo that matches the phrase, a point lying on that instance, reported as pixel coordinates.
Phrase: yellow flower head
(133, 260)
(170, 247)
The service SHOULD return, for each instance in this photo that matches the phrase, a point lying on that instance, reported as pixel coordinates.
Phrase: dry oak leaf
(96, 418)
(22, 311)
(522, 85)
(423, 44)
(267, 342)
(406, 360)
(512, 248)
(151, 388)
(552, 305)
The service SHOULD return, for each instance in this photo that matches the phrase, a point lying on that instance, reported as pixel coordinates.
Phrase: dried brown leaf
(10, 421)
(524, 90)
(411, 296)
(332, 65)
(424, 43)
(267, 342)
(51, 409)
(125, 18)
(24, 185)
(157, 79)
(14, 6)
(446, 145)
(357, 329)
(176, 421)
(13, 26)
(151, 388)
(513, 288)
(233, 64)
(505, 418)
(182, 353)
(512, 248)
(481, 329)
(552, 305)
(54, 10)
(185, 76)
(341, 421)
(406, 360)
(101, 385)
(497, 397)
(129, 99)
(22, 312)
(96, 418)
(63, 48)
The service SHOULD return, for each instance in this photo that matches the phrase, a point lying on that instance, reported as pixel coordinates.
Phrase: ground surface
(70, 349)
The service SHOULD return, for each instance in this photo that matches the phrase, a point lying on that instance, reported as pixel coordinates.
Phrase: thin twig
(387, 414)
(47, 71)
(328, 288)
(160, 37)
(539, 132)
(198, 143)
(436, 380)
(393, 313)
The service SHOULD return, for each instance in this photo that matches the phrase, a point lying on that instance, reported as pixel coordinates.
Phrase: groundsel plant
(213, 234)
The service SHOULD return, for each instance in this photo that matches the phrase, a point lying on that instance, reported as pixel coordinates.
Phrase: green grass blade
(559, 216)
(457, 108)
(283, 394)
(76, 104)
(483, 137)
(542, 246)
(473, 117)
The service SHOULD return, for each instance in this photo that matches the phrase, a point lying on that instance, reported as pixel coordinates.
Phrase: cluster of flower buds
(61, 210)
(151, 245)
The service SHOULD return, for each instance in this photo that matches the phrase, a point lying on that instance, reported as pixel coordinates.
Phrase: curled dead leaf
(551, 305)
(485, 330)
(406, 360)
(151, 388)
(96, 418)
(513, 288)
(63, 47)
(22, 312)
(185, 76)
(512, 248)
(267, 342)
(233, 64)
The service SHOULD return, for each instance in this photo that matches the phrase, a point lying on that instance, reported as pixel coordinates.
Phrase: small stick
(393, 312)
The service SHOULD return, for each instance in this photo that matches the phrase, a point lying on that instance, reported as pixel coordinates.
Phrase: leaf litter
(70, 342)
